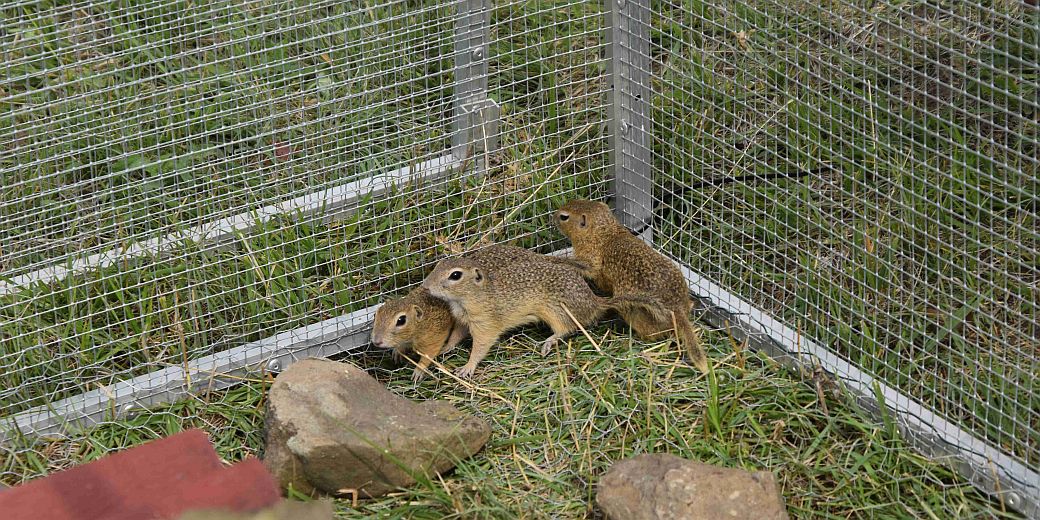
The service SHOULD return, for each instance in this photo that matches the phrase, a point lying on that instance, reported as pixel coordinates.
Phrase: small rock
(332, 428)
(285, 510)
(663, 486)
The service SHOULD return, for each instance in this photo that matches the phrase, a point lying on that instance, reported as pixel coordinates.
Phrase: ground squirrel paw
(418, 375)
(465, 371)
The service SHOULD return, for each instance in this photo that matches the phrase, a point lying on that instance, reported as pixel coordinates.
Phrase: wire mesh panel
(867, 173)
(185, 179)
(188, 189)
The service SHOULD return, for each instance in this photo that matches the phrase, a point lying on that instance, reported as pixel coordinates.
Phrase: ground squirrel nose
(432, 285)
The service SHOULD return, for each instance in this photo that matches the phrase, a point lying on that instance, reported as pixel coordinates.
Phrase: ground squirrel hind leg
(681, 329)
(645, 326)
(562, 326)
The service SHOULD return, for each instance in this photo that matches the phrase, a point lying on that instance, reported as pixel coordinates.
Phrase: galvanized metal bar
(333, 203)
(209, 373)
(985, 466)
(628, 69)
(476, 116)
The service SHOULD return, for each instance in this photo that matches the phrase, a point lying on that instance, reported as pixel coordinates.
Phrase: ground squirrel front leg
(482, 343)
(420, 369)
(459, 333)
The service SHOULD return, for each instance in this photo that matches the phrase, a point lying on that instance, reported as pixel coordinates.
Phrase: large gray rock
(330, 427)
(662, 486)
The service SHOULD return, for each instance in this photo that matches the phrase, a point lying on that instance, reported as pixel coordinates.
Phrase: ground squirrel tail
(688, 335)
(691, 341)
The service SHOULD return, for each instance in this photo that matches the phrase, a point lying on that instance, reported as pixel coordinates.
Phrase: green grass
(915, 256)
(560, 426)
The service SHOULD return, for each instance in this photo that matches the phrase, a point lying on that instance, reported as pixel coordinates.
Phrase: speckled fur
(504, 287)
(429, 328)
(622, 265)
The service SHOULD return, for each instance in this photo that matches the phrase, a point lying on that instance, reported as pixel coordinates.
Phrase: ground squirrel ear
(478, 276)
(418, 312)
(583, 220)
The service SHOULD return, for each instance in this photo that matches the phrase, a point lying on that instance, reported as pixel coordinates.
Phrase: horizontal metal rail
(987, 467)
(209, 373)
(333, 203)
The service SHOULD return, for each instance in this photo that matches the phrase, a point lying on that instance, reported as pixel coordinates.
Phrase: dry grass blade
(592, 340)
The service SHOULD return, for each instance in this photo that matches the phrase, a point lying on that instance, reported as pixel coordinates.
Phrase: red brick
(158, 479)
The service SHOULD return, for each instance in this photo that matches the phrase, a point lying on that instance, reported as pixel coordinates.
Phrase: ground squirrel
(499, 288)
(420, 322)
(624, 266)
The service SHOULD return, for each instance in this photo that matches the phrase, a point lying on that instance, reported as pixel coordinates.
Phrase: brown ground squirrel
(420, 322)
(498, 288)
(623, 265)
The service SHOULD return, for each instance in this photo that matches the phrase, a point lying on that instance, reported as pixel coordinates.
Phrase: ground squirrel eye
(564, 217)
(455, 275)
(401, 320)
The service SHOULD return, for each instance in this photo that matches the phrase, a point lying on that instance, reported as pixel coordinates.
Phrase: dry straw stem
(581, 328)
(485, 238)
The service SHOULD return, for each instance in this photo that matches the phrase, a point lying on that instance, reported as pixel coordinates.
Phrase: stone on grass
(663, 486)
(332, 428)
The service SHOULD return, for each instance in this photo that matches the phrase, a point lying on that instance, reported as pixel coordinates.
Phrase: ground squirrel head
(453, 279)
(579, 218)
(397, 322)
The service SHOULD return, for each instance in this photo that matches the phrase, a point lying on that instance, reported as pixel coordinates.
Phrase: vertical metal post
(476, 116)
(628, 67)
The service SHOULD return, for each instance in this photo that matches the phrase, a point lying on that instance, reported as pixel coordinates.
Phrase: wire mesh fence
(867, 173)
(185, 179)
(181, 180)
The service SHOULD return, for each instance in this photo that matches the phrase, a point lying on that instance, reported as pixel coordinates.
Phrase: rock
(285, 510)
(663, 486)
(332, 428)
